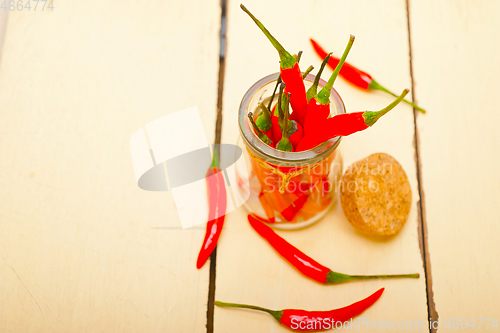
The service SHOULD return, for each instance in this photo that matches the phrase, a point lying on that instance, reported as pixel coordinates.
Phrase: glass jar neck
(261, 90)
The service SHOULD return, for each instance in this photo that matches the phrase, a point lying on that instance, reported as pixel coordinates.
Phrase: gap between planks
(218, 134)
(422, 226)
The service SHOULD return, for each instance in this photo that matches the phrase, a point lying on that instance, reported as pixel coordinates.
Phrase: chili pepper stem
(386, 276)
(298, 56)
(278, 82)
(283, 101)
(285, 144)
(263, 121)
(276, 314)
(280, 101)
(286, 59)
(215, 158)
(374, 85)
(260, 134)
(334, 277)
(371, 117)
(324, 94)
(308, 70)
(313, 90)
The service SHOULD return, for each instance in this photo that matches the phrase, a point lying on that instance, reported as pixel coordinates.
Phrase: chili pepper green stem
(324, 94)
(371, 117)
(265, 110)
(313, 90)
(260, 134)
(286, 59)
(298, 56)
(276, 314)
(278, 82)
(285, 144)
(280, 101)
(308, 70)
(215, 158)
(334, 277)
(264, 119)
(377, 86)
(283, 105)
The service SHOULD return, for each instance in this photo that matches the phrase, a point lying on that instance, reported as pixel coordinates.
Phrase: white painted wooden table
(83, 249)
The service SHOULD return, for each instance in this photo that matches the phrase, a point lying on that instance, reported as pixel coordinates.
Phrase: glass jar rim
(260, 149)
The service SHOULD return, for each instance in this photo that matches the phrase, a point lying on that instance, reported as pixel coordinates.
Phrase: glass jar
(290, 190)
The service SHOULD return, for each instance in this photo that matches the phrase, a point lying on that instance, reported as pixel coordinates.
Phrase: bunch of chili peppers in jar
(297, 120)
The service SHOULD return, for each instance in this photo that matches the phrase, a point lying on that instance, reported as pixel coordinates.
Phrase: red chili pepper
(305, 264)
(262, 219)
(297, 136)
(292, 210)
(290, 74)
(318, 108)
(295, 87)
(356, 76)
(345, 124)
(305, 321)
(217, 200)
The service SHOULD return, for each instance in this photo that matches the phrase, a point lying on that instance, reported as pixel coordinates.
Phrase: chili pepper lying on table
(318, 108)
(217, 202)
(356, 76)
(306, 265)
(345, 124)
(290, 74)
(305, 321)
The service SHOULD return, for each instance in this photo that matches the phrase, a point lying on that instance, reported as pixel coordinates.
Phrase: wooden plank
(248, 270)
(455, 66)
(3, 23)
(82, 247)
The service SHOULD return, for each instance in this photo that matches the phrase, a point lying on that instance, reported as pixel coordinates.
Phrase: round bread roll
(375, 195)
